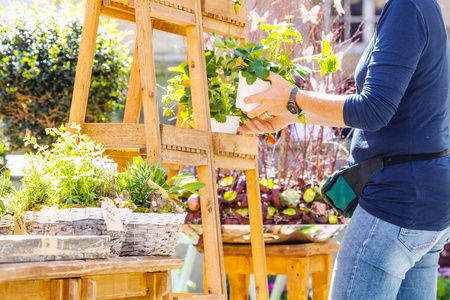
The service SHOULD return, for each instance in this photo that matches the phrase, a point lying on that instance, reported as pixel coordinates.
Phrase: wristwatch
(292, 106)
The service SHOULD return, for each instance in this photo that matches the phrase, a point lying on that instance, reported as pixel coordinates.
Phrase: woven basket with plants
(63, 188)
(157, 216)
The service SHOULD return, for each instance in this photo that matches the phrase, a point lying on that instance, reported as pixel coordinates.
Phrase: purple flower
(444, 272)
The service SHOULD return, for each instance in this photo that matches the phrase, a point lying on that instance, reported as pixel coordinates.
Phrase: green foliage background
(38, 56)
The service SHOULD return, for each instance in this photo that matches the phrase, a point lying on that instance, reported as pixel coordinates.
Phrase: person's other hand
(273, 101)
(275, 124)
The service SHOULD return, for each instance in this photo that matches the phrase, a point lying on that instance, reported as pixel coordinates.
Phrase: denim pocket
(416, 240)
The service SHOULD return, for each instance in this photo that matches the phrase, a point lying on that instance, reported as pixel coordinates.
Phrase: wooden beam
(85, 62)
(160, 12)
(134, 97)
(223, 28)
(185, 158)
(119, 285)
(233, 143)
(116, 135)
(224, 10)
(132, 136)
(185, 137)
(256, 230)
(215, 274)
(234, 163)
(169, 27)
(122, 15)
(199, 297)
(148, 80)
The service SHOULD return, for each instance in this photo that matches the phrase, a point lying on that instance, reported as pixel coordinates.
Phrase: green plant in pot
(69, 173)
(157, 216)
(63, 186)
(222, 91)
(142, 183)
(273, 53)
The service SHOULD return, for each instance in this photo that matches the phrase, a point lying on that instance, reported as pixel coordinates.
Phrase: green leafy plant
(4, 149)
(6, 188)
(272, 53)
(71, 171)
(222, 91)
(39, 48)
(443, 289)
(142, 180)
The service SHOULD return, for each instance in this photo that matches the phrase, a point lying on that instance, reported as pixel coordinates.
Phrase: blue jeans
(379, 260)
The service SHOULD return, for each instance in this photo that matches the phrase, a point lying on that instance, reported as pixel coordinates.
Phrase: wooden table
(296, 261)
(143, 277)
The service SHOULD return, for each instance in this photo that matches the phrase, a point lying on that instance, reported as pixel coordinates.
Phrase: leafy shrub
(70, 172)
(38, 56)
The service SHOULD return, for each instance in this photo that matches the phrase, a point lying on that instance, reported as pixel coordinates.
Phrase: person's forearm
(312, 119)
(328, 107)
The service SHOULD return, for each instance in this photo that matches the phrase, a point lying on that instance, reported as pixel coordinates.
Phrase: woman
(391, 247)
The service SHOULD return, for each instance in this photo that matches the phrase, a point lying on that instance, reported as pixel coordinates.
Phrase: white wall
(445, 7)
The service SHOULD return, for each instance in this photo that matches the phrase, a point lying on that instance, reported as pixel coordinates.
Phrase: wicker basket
(76, 221)
(6, 225)
(152, 234)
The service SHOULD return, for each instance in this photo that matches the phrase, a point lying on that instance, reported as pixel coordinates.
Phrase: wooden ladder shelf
(177, 146)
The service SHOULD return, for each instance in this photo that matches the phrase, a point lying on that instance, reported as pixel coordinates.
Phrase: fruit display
(300, 204)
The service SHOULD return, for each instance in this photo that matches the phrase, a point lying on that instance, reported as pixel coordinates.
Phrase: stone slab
(49, 248)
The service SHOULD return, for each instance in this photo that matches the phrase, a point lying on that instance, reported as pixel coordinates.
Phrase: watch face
(292, 108)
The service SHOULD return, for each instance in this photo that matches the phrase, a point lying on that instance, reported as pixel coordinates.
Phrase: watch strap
(292, 97)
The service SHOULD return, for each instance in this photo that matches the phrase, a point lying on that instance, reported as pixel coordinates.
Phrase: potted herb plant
(157, 216)
(225, 117)
(254, 62)
(63, 187)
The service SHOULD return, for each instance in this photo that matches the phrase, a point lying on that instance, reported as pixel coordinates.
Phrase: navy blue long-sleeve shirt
(402, 106)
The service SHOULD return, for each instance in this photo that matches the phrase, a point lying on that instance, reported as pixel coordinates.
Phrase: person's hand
(273, 101)
(275, 124)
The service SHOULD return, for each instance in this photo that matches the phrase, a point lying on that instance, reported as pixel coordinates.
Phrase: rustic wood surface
(79, 268)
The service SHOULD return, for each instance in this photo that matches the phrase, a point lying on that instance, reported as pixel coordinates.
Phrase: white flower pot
(245, 90)
(230, 126)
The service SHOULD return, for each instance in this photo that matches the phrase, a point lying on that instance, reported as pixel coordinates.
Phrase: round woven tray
(6, 225)
(77, 222)
(152, 234)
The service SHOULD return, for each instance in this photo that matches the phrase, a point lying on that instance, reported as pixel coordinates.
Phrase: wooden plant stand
(296, 261)
(176, 146)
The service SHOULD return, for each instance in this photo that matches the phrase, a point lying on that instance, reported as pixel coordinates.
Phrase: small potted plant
(254, 62)
(225, 117)
(63, 187)
(157, 216)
